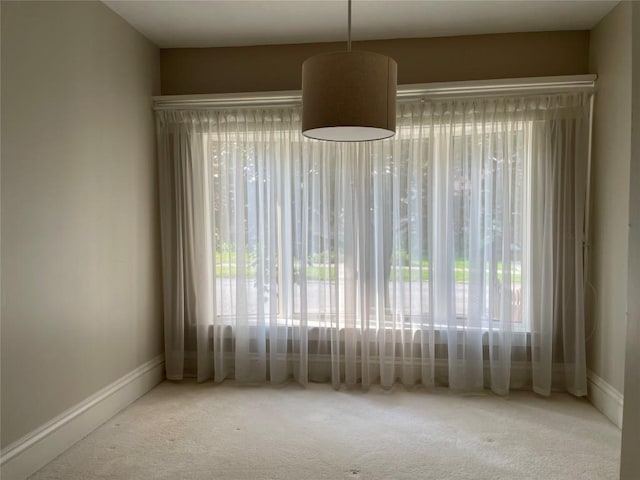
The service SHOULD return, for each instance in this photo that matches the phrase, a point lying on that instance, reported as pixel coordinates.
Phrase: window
(367, 235)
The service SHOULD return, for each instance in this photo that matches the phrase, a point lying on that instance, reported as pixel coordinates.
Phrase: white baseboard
(30, 453)
(605, 398)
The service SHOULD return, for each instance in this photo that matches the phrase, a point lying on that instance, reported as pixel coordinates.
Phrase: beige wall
(630, 469)
(422, 60)
(610, 58)
(80, 270)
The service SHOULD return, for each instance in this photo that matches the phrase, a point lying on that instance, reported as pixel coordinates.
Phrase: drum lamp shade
(349, 96)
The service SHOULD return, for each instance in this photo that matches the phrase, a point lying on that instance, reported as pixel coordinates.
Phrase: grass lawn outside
(226, 267)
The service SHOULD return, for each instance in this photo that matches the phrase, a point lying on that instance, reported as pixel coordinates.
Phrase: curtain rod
(533, 85)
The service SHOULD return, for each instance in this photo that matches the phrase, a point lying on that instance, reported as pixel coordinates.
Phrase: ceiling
(215, 23)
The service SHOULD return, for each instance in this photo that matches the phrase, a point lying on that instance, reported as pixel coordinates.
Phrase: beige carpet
(189, 431)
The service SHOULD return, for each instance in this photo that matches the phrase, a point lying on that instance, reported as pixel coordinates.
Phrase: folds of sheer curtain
(450, 254)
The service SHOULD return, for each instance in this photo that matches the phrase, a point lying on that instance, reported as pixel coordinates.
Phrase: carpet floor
(204, 431)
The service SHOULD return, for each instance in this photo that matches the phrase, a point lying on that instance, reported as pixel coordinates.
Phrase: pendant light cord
(349, 29)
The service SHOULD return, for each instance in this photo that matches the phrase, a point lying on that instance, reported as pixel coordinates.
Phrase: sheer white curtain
(449, 254)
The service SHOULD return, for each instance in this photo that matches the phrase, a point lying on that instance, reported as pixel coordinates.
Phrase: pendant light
(349, 96)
